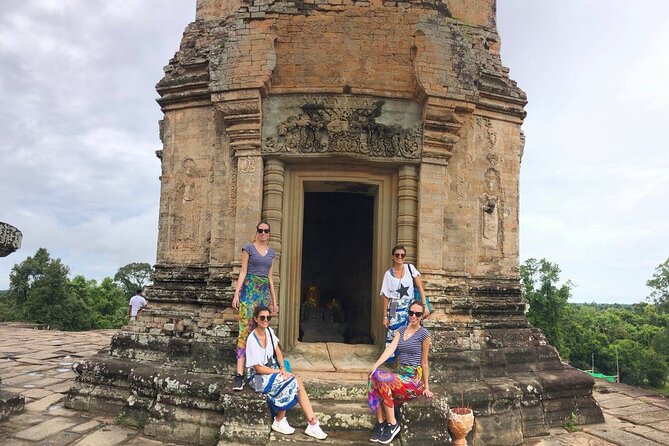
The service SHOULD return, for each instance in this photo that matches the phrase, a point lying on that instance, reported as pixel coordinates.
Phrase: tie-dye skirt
(390, 388)
(254, 292)
(281, 393)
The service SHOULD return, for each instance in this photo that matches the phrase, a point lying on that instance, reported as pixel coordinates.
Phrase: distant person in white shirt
(136, 303)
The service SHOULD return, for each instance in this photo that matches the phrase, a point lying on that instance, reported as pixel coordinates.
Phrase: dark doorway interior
(337, 267)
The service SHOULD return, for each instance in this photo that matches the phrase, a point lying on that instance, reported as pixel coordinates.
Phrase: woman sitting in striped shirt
(385, 389)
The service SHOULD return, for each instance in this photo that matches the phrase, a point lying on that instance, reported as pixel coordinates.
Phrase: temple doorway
(339, 223)
(337, 257)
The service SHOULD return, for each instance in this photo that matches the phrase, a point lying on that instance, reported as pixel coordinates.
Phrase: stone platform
(37, 364)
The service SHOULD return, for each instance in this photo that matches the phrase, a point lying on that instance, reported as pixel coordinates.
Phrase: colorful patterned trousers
(254, 292)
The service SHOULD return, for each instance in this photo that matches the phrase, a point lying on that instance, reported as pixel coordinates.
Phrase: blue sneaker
(377, 430)
(389, 433)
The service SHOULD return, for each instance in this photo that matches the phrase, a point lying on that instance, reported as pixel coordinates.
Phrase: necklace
(408, 334)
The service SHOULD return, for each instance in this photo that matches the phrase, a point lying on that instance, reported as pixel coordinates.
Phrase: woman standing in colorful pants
(254, 287)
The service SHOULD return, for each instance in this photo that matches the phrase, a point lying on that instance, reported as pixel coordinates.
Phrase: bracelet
(385, 317)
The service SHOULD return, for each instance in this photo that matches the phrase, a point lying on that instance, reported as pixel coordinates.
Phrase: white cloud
(78, 127)
(593, 179)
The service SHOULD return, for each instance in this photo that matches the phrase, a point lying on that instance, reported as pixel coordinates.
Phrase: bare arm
(386, 322)
(279, 357)
(387, 353)
(425, 364)
(264, 370)
(272, 293)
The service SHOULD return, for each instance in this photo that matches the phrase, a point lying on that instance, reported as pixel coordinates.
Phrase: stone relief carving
(461, 189)
(232, 206)
(189, 195)
(469, 163)
(247, 164)
(490, 205)
(330, 125)
(492, 136)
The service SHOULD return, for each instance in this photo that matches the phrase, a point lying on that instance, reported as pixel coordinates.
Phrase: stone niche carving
(491, 201)
(382, 129)
(185, 223)
(10, 239)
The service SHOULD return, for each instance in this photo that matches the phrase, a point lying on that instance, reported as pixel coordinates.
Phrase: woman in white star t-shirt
(397, 290)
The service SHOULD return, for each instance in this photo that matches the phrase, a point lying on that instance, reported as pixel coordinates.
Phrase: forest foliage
(637, 335)
(40, 291)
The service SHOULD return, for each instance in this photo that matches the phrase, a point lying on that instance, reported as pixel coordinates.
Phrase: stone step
(341, 416)
(335, 386)
(299, 438)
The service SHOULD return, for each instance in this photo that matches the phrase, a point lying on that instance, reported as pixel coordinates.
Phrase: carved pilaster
(442, 122)
(241, 114)
(272, 205)
(407, 210)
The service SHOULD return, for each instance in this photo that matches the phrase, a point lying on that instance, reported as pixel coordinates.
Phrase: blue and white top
(410, 352)
(395, 288)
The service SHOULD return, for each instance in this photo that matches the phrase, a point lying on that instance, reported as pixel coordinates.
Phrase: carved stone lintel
(349, 125)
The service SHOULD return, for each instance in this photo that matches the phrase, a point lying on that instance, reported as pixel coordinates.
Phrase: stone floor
(37, 363)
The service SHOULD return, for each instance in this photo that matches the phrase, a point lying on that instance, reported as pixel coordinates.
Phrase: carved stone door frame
(301, 177)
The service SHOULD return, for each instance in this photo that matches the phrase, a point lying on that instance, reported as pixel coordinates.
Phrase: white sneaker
(282, 426)
(314, 430)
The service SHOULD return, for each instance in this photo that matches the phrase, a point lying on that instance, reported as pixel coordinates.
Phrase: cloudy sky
(78, 131)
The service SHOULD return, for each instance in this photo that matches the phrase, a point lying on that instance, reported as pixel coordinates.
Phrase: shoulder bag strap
(271, 338)
(413, 279)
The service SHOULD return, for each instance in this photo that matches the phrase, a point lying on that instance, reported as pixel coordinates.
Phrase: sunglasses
(399, 255)
(268, 318)
(262, 231)
(414, 313)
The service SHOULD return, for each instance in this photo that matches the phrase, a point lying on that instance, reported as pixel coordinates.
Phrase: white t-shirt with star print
(392, 286)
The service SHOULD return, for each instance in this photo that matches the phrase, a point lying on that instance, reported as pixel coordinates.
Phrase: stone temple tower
(350, 126)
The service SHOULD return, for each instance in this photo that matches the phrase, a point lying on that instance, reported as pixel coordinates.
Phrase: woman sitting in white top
(267, 374)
